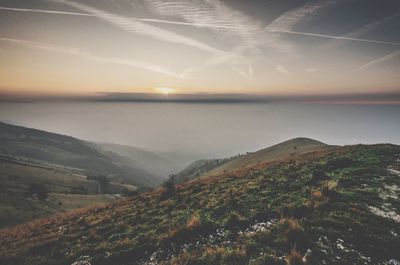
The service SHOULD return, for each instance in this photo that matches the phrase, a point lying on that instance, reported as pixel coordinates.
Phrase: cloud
(390, 56)
(42, 11)
(288, 20)
(212, 14)
(151, 20)
(281, 69)
(138, 27)
(220, 18)
(222, 13)
(86, 55)
(291, 18)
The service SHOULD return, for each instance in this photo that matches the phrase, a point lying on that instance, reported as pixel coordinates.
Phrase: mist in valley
(194, 131)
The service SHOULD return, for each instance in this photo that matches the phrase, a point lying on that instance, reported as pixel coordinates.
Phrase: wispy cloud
(288, 20)
(137, 27)
(281, 69)
(229, 21)
(213, 14)
(43, 11)
(387, 57)
(220, 18)
(86, 55)
(151, 20)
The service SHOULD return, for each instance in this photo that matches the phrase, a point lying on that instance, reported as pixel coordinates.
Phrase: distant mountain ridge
(66, 151)
(156, 163)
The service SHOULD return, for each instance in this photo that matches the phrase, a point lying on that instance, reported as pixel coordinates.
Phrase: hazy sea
(212, 130)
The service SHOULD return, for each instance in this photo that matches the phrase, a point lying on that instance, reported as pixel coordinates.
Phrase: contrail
(379, 60)
(340, 38)
(160, 21)
(141, 28)
(45, 11)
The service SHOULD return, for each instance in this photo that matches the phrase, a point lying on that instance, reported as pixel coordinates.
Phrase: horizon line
(391, 97)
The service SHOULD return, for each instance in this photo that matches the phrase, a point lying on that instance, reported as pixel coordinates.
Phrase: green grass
(271, 213)
(68, 190)
(283, 150)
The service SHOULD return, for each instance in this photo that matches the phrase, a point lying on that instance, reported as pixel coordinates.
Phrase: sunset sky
(271, 47)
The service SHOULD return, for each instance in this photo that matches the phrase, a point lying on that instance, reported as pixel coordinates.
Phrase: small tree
(104, 183)
(169, 187)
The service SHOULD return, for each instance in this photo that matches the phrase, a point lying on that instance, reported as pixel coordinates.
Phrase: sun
(166, 90)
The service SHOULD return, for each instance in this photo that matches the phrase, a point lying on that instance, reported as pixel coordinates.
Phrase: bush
(234, 221)
(169, 187)
(318, 175)
(339, 163)
(294, 235)
(294, 258)
(103, 182)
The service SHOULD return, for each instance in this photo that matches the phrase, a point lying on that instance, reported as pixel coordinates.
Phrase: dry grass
(294, 258)
(194, 222)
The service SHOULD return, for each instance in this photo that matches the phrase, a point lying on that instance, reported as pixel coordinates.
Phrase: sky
(252, 47)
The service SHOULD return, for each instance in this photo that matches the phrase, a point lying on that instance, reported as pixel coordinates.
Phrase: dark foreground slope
(333, 206)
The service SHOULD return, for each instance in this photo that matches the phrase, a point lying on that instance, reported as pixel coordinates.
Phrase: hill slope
(56, 150)
(332, 206)
(281, 150)
(158, 164)
(66, 190)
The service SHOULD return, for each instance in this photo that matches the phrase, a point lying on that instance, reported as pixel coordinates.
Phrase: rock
(307, 256)
(83, 260)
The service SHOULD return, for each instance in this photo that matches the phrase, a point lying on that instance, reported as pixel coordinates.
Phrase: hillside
(331, 206)
(65, 190)
(158, 164)
(54, 150)
(281, 150)
(199, 168)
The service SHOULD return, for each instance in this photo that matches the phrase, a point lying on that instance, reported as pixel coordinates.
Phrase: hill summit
(207, 167)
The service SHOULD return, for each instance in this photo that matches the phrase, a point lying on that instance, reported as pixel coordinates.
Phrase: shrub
(193, 222)
(234, 220)
(329, 188)
(169, 187)
(294, 235)
(220, 255)
(294, 258)
(317, 176)
(339, 163)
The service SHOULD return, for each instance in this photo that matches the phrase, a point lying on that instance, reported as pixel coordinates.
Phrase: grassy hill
(200, 168)
(337, 205)
(66, 190)
(218, 166)
(54, 150)
(69, 171)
